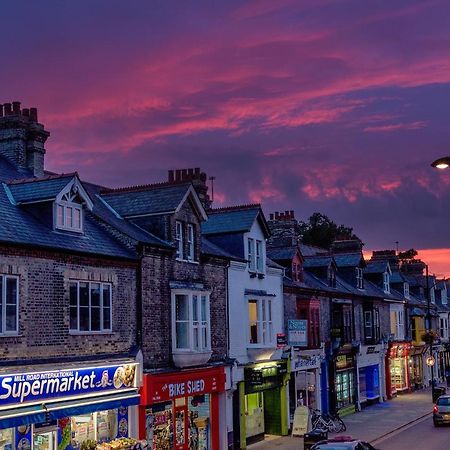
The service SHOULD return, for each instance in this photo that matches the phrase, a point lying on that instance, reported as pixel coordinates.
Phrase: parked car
(441, 410)
(343, 443)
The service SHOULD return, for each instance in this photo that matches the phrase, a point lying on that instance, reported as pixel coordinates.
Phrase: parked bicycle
(329, 422)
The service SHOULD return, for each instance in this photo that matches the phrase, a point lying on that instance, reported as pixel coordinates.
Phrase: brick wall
(44, 304)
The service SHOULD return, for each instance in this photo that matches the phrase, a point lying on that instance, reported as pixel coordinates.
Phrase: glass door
(45, 440)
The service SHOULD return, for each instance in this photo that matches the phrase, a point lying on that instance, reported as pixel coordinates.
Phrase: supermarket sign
(33, 387)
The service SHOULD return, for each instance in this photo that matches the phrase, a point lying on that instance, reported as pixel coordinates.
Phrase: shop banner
(298, 333)
(58, 384)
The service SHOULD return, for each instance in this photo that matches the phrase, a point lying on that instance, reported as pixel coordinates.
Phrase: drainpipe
(139, 298)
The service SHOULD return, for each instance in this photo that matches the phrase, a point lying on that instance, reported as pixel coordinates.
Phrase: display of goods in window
(120, 444)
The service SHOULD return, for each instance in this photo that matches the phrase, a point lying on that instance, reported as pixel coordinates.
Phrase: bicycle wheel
(344, 427)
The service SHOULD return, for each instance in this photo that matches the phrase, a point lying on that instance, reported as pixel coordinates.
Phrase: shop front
(397, 369)
(180, 410)
(304, 383)
(69, 407)
(263, 401)
(344, 380)
(370, 369)
(416, 366)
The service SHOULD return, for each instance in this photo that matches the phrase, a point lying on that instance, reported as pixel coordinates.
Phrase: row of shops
(113, 406)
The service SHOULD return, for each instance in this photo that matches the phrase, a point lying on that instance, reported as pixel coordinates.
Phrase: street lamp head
(441, 163)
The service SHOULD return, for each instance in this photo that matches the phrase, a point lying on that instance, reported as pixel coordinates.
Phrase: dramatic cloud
(316, 105)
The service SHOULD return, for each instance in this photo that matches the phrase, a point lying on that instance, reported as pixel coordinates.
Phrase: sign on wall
(57, 384)
(298, 333)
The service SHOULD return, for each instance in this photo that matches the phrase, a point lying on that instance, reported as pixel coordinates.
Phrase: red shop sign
(164, 387)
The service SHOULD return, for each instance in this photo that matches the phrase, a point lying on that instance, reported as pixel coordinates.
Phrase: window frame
(406, 290)
(190, 242)
(179, 241)
(359, 278)
(251, 254)
(386, 285)
(101, 307)
(66, 205)
(259, 256)
(4, 304)
(202, 326)
(264, 322)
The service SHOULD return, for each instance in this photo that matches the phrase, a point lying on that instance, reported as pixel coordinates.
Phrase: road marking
(400, 429)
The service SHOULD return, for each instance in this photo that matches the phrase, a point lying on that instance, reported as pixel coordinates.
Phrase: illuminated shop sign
(37, 386)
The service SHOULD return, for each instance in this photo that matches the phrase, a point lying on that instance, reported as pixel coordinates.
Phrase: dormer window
(69, 212)
(406, 290)
(432, 297)
(331, 277)
(444, 296)
(359, 278)
(259, 256)
(386, 286)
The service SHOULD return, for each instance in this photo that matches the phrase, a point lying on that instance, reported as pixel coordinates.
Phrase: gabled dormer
(379, 272)
(289, 257)
(323, 267)
(351, 268)
(59, 201)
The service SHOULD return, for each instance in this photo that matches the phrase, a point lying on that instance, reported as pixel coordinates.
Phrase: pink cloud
(395, 127)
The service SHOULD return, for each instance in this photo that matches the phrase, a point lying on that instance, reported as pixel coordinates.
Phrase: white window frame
(398, 327)
(443, 327)
(179, 228)
(264, 322)
(259, 255)
(406, 290)
(386, 285)
(359, 278)
(3, 331)
(331, 276)
(102, 308)
(444, 296)
(190, 242)
(201, 326)
(251, 254)
(368, 324)
(432, 295)
(68, 207)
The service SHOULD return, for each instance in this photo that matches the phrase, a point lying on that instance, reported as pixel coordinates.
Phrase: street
(417, 436)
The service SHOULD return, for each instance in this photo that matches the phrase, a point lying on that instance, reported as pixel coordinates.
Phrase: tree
(320, 231)
(407, 255)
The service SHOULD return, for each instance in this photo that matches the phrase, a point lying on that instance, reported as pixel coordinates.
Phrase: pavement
(371, 424)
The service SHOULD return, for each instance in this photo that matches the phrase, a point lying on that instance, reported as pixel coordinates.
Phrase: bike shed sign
(33, 387)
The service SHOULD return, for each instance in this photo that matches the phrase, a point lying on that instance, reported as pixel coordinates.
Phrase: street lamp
(441, 163)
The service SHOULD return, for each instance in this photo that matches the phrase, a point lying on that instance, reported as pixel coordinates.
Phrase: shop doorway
(45, 438)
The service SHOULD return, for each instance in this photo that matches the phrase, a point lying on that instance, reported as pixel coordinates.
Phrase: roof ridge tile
(236, 207)
(46, 178)
(142, 187)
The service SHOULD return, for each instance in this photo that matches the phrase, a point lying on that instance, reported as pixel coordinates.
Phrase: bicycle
(329, 422)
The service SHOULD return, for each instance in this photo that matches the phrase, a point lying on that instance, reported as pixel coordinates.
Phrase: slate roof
(397, 277)
(211, 249)
(39, 189)
(310, 250)
(281, 253)
(376, 267)
(317, 261)
(231, 220)
(348, 259)
(151, 199)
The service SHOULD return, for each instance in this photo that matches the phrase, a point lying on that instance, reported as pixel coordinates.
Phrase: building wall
(44, 304)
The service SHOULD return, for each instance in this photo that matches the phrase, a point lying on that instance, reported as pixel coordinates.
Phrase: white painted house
(257, 389)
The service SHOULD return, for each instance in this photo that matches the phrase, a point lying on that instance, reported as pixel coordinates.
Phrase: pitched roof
(376, 267)
(212, 249)
(238, 219)
(317, 261)
(281, 253)
(348, 259)
(397, 277)
(310, 250)
(39, 189)
(146, 200)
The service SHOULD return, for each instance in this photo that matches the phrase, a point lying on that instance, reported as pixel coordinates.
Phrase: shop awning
(26, 415)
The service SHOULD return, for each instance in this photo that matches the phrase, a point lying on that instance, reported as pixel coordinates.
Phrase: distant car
(441, 410)
(342, 443)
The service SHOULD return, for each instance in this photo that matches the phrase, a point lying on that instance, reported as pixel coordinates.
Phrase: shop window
(9, 304)
(99, 426)
(90, 306)
(345, 388)
(260, 321)
(191, 321)
(7, 438)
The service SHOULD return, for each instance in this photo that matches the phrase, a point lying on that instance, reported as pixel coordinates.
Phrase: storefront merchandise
(344, 381)
(397, 369)
(416, 366)
(69, 407)
(180, 410)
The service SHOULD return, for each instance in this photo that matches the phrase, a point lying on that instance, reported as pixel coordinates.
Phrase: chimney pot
(184, 174)
(33, 114)
(292, 214)
(197, 172)
(8, 110)
(178, 175)
(277, 215)
(16, 108)
(1, 110)
(26, 112)
(171, 177)
(271, 216)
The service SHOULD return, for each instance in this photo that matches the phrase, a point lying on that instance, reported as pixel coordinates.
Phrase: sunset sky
(324, 105)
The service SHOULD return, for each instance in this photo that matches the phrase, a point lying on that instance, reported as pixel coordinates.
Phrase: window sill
(90, 333)
(189, 261)
(189, 358)
(10, 335)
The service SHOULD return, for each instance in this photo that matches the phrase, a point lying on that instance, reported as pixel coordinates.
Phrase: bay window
(9, 304)
(260, 329)
(90, 306)
(191, 323)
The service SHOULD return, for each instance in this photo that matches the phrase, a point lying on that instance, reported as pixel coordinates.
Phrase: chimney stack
(22, 138)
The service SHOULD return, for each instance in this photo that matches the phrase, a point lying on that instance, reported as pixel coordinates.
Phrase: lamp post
(441, 163)
(430, 359)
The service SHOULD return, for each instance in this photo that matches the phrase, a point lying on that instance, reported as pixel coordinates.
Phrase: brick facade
(44, 305)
